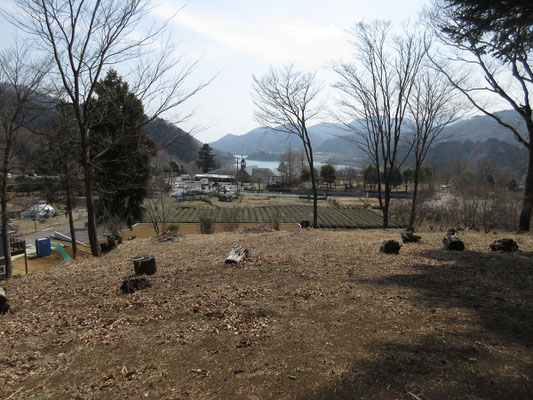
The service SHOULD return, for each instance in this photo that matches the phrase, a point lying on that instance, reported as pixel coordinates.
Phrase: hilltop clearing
(311, 315)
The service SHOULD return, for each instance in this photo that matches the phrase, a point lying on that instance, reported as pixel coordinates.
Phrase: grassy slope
(312, 315)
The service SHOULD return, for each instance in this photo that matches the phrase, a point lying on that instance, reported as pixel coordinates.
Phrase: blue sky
(236, 39)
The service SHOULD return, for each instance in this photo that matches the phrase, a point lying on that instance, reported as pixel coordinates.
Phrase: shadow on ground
(475, 339)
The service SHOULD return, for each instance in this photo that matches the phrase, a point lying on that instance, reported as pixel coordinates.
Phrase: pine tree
(120, 150)
(206, 160)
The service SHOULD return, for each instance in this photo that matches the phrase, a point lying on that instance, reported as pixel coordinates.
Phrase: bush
(207, 223)
(173, 227)
(276, 217)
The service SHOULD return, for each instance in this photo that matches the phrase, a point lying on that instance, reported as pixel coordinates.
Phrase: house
(265, 176)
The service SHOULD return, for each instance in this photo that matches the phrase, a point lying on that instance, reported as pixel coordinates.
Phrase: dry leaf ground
(311, 315)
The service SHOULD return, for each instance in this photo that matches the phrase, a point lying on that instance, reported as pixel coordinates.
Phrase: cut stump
(237, 254)
(390, 247)
(504, 244)
(305, 224)
(452, 242)
(4, 305)
(144, 264)
(409, 237)
(133, 283)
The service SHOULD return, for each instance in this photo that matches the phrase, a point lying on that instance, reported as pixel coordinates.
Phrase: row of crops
(346, 218)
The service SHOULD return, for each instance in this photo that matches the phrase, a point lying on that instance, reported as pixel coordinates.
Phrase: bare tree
(286, 100)
(289, 166)
(375, 92)
(491, 41)
(86, 38)
(63, 156)
(432, 106)
(20, 80)
(157, 204)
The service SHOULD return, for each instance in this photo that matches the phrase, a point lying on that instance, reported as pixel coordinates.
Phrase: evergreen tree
(120, 150)
(370, 175)
(494, 38)
(206, 160)
(503, 28)
(328, 174)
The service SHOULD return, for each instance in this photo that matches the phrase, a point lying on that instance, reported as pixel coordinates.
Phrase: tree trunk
(386, 211)
(315, 194)
(5, 219)
(71, 219)
(385, 206)
(415, 193)
(91, 212)
(527, 205)
(309, 153)
(5, 237)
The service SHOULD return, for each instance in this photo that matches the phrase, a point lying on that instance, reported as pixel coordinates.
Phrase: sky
(236, 39)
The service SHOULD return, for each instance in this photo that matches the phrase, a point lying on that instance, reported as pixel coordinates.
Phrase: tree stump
(133, 283)
(504, 244)
(390, 247)
(409, 237)
(304, 224)
(144, 264)
(237, 254)
(4, 305)
(452, 242)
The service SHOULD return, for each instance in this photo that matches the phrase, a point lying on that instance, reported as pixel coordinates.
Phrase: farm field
(344, 218)
(313, 314)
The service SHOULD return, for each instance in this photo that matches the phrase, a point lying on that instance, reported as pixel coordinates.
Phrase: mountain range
(335, 139)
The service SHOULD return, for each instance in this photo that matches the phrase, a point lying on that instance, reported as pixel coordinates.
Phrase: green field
(346, 218)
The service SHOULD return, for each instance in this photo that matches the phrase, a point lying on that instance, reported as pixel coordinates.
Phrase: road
(81, 232)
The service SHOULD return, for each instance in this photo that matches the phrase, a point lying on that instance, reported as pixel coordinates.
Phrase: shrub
(173, 227)
(207, 223)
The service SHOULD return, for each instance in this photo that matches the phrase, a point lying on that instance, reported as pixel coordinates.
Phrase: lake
(273, 165)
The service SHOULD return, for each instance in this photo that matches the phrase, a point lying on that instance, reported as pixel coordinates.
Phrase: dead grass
(312, 315)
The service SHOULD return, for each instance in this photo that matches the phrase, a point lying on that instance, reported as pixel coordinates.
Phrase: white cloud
(268, 40)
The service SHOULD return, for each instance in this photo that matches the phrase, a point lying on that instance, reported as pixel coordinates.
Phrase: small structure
(43, 247)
